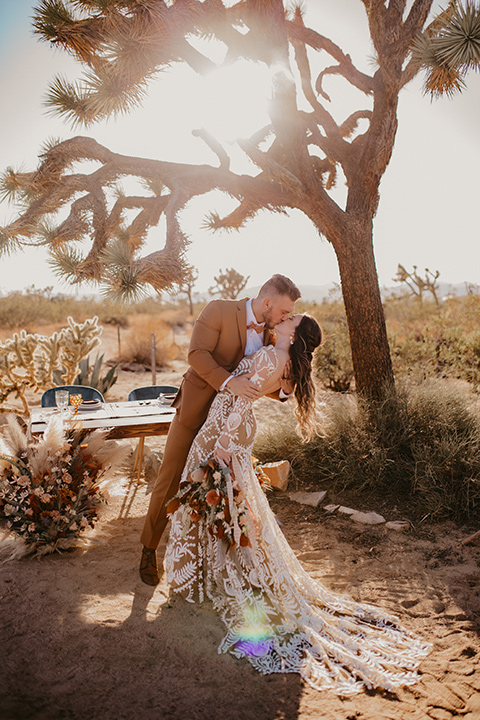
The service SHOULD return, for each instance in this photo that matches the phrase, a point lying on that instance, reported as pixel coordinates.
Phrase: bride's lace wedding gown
(276, 615)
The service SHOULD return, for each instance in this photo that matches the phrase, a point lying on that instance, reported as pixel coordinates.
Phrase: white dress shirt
(254, 338)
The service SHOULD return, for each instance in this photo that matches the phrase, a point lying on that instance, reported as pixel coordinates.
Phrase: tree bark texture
(364, 311)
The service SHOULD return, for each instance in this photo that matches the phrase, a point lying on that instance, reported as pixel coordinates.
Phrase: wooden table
(137, 418)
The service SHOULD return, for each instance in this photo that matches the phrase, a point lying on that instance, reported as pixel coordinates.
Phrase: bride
(225, 545)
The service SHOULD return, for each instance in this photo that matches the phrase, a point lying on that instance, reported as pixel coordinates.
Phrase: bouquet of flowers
(211, 493)
(50, 488)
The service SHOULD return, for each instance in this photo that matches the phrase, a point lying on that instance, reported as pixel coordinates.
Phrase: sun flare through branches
(233, 100)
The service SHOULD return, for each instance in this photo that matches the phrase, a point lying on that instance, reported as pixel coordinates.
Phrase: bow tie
(257, 328)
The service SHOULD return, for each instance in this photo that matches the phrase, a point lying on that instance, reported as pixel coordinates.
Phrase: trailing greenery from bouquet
(262, 476)
(29, 361)
(212, 495)
(51, 487)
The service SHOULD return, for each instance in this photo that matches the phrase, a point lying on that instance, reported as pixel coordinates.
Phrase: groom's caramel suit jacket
(216, 347)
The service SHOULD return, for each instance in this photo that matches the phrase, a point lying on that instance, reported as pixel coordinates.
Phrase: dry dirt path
(83, 639)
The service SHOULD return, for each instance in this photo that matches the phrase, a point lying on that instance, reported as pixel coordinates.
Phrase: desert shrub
(462, 311)
(30, 307)
(413, 355)
(35, 307)
(423, 443)
(333, 362)
(176, 317)
(445, 447)
(438, 351)
(426, 340)
(458, 354)
(138, 343)
(405, 314)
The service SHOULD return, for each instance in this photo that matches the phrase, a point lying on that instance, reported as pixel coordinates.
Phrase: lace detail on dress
(238, 417)
(276, 615)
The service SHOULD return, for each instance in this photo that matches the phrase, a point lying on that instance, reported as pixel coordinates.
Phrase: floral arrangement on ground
(211, 494)
(51, 487)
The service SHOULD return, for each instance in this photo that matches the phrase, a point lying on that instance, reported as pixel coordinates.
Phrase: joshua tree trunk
(363, 307)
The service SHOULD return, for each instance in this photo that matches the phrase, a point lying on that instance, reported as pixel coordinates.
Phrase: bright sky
(428, 213)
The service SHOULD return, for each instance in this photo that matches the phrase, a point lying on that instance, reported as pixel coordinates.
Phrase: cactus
(79, 341)
(90, 374)
(31, 360)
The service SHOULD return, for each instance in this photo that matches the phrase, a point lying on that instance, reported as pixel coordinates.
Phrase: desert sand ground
(83, 638)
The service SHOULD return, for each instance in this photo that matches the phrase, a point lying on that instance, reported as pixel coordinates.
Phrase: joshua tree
(186, 285)
(229, 284)
(416, 284)
(123, 44)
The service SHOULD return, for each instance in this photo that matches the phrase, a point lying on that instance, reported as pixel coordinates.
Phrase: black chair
(87, 393)
(149, 392)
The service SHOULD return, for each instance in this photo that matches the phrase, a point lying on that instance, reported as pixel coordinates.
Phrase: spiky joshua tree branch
(124, 44)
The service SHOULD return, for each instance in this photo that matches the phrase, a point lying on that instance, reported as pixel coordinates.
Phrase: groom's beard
(267, 319)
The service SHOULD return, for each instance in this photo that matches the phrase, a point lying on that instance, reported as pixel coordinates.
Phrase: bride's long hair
(308, 336)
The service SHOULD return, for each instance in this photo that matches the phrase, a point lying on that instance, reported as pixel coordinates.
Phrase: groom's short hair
(279, 285)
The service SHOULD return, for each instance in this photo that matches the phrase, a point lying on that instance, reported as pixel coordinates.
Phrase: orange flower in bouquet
(211, 494)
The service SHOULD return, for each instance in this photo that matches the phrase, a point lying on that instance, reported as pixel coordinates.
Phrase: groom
(224, 333)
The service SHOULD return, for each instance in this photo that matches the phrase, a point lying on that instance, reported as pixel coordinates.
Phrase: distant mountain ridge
(310, 293)
(318, 293)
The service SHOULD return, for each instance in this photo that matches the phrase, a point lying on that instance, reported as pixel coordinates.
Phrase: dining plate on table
(90, 405)
(167, 398)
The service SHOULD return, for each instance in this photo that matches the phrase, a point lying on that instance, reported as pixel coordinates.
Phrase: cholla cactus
(78, 342)
(17, 366)
(49, 350)
(28, 361)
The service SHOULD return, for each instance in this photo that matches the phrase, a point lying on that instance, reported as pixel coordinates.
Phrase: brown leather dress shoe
(148, 567)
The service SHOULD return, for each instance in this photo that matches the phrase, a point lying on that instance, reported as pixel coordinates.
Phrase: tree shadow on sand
(87, 639)
(82, 637)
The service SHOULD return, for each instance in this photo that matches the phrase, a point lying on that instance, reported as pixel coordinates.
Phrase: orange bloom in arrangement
(34, 503)
(173, 505)
(212, 497)
(244, 541)
(205, 496)
(64, 495)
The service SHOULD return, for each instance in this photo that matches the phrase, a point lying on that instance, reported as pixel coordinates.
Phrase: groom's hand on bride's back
(242, 387)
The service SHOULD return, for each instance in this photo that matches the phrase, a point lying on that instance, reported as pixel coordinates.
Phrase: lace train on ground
(276, 615)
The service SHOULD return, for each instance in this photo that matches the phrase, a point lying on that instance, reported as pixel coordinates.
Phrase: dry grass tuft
(137, 344)
(424, 444)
